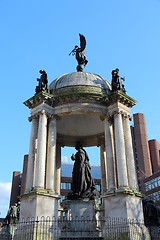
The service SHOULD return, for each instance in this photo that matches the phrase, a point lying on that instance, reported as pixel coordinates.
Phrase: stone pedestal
(124, 217)
(39, 203)
(80, 208)
(123, 206)
(81, 219)
(38, 216)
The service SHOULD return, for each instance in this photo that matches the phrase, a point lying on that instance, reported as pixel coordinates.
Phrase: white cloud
(5, 191)
(64, 159)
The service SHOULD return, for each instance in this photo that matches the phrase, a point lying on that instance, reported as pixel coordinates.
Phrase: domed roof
(79, 79)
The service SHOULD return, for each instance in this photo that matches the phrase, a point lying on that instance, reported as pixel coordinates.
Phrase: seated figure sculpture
(42, 82)
(83, 185)
(117, 81)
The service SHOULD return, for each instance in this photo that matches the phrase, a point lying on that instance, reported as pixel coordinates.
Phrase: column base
(120, 204)
(39, 203)
(124, 216)
(124, 229)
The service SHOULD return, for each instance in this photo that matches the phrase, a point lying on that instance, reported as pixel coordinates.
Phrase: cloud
(5, 191)
(64, 159)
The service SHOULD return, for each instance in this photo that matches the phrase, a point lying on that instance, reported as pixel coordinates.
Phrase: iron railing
(84, 228)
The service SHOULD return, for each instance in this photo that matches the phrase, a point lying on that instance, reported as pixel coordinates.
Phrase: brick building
(147, 158)
(16, 187)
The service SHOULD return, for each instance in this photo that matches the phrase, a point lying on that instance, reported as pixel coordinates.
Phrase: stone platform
(81, 219)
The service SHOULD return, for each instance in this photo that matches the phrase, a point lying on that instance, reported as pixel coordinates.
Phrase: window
(152, 184)
(65, 185)
(98, 187)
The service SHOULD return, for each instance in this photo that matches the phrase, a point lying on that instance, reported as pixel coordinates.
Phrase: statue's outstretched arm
(73, 157)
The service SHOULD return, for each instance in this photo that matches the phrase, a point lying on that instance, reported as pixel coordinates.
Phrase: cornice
(42, 97)
(80, 93)
(119, 96)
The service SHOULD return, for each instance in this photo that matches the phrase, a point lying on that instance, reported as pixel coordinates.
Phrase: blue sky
(39, 35)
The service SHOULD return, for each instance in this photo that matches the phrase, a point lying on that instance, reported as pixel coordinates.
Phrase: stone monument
(81, 106)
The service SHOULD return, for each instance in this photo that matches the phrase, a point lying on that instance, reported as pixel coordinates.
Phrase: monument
(84, 108)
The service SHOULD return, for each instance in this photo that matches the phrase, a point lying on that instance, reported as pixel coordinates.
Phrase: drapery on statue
(42, 82)
(79, 52)
(83, 185)
(117, 81)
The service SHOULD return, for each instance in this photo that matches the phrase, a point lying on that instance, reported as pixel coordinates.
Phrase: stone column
(110, 154)
(41, 151)
(132, 177)
(104, 185)
(31, 157)
(51, 155)
(120, 151)
(58, 170)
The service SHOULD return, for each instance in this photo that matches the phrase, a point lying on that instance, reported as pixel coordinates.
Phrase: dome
(80, 83)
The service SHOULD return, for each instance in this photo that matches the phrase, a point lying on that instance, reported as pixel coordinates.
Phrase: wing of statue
(82, 42)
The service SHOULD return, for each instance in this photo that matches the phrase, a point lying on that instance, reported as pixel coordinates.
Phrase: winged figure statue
(79, 53)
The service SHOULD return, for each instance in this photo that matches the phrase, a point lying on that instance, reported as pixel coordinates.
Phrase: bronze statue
(83, 185)
(117, 81)
(79, 52)
(151, 213)
(42, 82)
(13, 214)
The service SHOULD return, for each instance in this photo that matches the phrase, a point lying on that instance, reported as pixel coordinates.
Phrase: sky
(40, 34)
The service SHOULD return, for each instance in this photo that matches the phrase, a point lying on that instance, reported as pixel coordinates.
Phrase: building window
(155, 196)
(62, 198)
(98, 187)
(65, 185)
(152, 184)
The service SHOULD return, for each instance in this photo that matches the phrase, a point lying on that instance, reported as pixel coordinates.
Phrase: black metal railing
(84, 228)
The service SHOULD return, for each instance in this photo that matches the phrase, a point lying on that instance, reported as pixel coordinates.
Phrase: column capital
(116, 112)
(108, 117)
(42, 112)
(35, 116)
(124, 114)
(53, 116)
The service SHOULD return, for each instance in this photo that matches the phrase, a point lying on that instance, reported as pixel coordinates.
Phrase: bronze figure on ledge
(42, 82)
(117, 81)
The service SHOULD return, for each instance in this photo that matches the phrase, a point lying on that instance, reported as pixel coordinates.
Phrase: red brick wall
(24, 174)
(142, 146)
(154, 147)
(15, 190)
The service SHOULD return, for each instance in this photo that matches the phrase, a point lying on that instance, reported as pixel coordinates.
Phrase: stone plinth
(39, 203)
(80, 208)
(123, 206)
(124, 217)
(81, 219)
